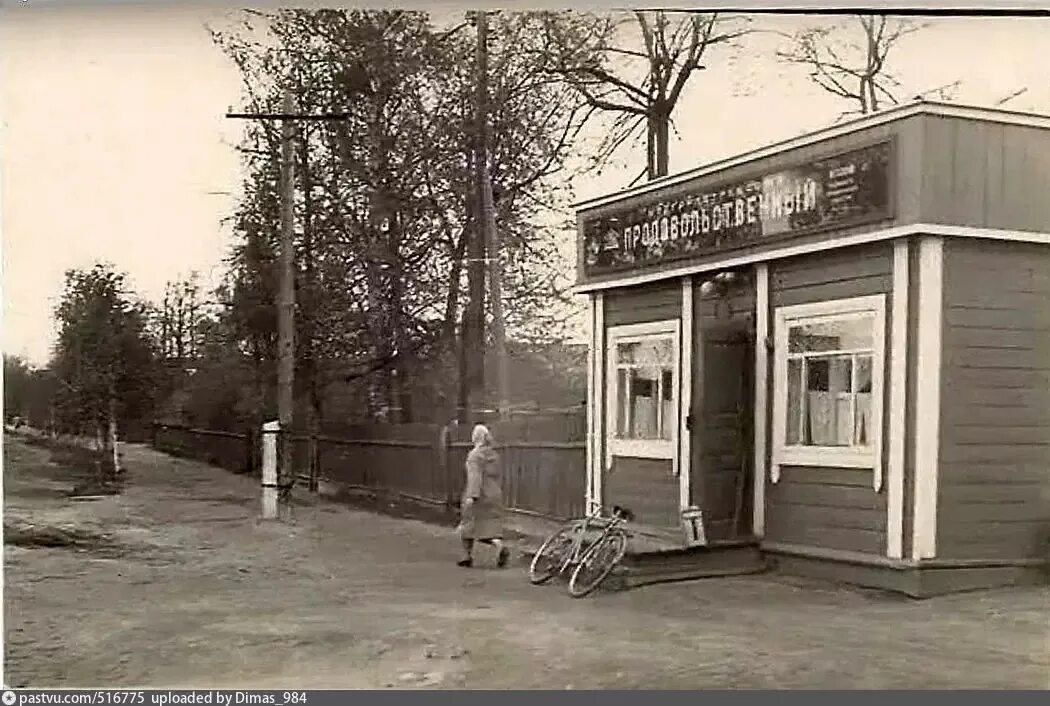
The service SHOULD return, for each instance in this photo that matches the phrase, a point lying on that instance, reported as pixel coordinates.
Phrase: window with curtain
(828, 361)
(644, 379)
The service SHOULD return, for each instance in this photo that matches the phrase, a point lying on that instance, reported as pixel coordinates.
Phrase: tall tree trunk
(463, 379)
(650, 148)
(113, 442)
(378, 386)
(313, 457)
(448, 325)
(472, 336)
(261, 407)
(399, 372)
(398, 333)
(165, 326)
(381, 278)
(662, 126)
(451, 353)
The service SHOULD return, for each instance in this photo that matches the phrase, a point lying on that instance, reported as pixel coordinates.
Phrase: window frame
(828, 456)
(664, 449)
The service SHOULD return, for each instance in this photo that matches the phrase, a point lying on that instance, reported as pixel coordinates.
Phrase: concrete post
(269, 469)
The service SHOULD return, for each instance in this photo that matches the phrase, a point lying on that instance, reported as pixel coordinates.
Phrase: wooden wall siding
(907, 178)
(994, 489)
(721, 393)
(655, 302)
(827, 508)
(830, 508)
(647, 487)
(838, 274)
(984, 174)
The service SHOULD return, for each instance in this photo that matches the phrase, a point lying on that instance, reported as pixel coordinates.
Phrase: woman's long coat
(484, 519)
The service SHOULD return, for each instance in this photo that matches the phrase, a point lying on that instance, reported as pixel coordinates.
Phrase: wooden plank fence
(544, 461)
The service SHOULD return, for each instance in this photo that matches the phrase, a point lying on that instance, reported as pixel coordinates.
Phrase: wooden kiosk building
(835, 349)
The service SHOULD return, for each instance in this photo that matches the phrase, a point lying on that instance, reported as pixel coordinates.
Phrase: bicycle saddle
(623, 513)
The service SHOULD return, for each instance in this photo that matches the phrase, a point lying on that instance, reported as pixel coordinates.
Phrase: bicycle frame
(596, 517)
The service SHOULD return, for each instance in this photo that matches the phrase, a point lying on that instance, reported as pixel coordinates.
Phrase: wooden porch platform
(657, 555)
(729, 558)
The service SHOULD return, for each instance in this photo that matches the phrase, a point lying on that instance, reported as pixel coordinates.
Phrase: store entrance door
(722, 478)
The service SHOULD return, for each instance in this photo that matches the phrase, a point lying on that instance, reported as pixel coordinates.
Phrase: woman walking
(482, 503)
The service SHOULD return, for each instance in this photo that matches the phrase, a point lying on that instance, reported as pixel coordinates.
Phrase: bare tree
(179, 320)
(848, 59)
(639, 76)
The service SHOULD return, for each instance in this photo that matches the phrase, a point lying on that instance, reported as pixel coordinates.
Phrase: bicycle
(592, 561)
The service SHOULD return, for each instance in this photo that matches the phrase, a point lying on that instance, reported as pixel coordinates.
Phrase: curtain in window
(822, 422)
(863, 418)
(644, 416)
(669, 419)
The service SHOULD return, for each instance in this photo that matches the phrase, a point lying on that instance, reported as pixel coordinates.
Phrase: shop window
(643, 389)
(828, 362)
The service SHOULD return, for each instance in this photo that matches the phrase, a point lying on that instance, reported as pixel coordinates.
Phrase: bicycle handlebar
(617, 514)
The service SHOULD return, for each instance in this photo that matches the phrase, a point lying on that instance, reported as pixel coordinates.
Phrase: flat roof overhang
(791, 249)
(905, 110)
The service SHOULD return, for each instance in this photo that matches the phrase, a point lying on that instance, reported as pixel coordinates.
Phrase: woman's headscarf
(481, 436)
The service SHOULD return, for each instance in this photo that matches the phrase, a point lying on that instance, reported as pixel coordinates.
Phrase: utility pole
(472, 335)
(286, 311)
(285, 474)
(486, 234)
(488, 222)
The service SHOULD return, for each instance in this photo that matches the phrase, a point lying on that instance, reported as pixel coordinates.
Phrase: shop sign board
(835, 192)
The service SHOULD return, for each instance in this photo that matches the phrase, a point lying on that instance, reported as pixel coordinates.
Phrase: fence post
(441, 459)
(249, 449)
(313, 460)
(269, 469)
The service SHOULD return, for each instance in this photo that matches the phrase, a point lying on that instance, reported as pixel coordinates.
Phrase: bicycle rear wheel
(551, 555)
(597, 564)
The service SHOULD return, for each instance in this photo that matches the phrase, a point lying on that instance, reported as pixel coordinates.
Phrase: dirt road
(176, 584)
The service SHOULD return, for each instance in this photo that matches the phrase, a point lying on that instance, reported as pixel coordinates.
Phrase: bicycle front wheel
(597, 564)
(551, 555)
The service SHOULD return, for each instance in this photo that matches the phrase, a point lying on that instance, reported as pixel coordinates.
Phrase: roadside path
(194, 591)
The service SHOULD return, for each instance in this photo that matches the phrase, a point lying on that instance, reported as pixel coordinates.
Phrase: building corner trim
(591, 399)
(761, 393)
(598, 435)
(898, 402)
(685, 396)
(928, 395)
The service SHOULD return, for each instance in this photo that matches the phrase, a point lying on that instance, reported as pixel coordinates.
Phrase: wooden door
(722, 478)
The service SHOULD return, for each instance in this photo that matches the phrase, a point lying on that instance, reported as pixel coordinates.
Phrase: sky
(115, 147)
